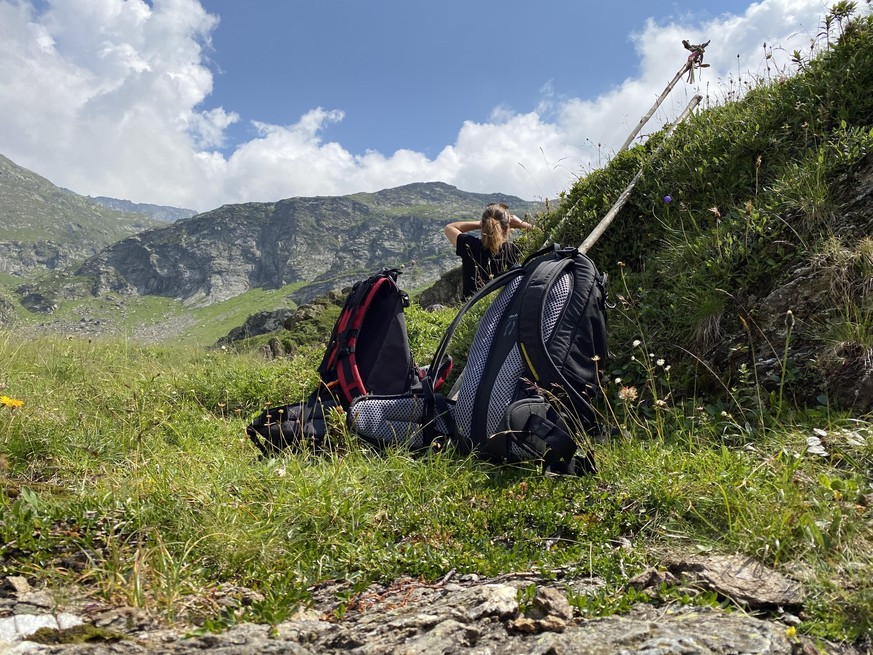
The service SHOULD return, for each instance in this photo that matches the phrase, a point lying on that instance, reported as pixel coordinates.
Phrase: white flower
(628, 394)
(636, 343)
(660, 362)
(618, 380)
(854, 438)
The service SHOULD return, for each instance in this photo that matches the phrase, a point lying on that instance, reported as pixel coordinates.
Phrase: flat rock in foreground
(521, 614)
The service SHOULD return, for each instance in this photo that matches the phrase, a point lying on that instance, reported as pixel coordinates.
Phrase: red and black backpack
(368, 354)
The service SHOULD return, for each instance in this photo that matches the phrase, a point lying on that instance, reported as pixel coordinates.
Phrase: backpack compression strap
(434, 404)
(534, 425)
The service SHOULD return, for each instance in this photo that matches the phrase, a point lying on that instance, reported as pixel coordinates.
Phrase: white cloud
(208, 127)
(98, 95)
(104, 97)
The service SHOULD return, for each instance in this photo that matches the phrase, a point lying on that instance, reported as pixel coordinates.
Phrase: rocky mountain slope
(47, 227)
(323, 242)
(158, 212)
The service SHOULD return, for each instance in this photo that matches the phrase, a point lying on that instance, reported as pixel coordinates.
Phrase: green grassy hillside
(35, 210)
(750, 230)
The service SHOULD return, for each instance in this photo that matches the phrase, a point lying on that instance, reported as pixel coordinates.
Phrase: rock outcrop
(514, 613)
(328, 243)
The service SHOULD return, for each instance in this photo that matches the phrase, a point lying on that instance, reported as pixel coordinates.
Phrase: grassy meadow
(125, 471)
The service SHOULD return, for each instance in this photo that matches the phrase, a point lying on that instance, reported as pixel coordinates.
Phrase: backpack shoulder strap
(497, 283)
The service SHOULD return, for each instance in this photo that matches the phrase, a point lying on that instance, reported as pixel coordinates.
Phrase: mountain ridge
(163, 213)
(317, 244)
(325, 242)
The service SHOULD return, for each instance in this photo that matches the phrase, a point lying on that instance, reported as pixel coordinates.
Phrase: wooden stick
(695, 59)
(600, 228)
(651, 112)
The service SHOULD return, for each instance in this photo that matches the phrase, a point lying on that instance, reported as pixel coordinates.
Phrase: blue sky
(198, 103)
(407, 73)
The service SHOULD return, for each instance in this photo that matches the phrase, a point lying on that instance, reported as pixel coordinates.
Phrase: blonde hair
(495, 226)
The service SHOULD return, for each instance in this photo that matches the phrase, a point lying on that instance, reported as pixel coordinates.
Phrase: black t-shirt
(478, 265)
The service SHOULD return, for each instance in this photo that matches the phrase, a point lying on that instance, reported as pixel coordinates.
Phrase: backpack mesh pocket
(386, 421)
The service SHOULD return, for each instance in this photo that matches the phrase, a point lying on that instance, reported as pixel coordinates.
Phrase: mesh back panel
(555, 303)
(504, 389)
(392, 421)
(478, 355)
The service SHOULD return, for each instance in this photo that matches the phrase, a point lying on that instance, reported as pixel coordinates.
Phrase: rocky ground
(94, 328)
(514, 613)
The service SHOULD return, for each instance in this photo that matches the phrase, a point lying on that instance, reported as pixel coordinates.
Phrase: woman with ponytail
(491, 253)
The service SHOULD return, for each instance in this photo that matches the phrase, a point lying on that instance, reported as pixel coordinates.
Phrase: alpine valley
(71, 263)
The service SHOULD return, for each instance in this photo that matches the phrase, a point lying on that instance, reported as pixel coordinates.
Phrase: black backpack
(534, 367)
(368, 353)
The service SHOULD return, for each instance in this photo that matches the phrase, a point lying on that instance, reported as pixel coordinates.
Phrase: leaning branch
(600, 228)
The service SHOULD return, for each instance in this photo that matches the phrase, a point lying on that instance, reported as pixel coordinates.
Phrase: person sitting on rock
(485, 256)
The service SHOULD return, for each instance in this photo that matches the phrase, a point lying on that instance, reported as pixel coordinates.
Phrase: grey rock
(256, 324)
(18, 584)
(124, 619)
(740, 578)
(496, 600)
(273, 349)
(19, 627)
(34, 601)
(681, 633)
(465, 617)
(446, 637)
(7, 311)
(550, 602)
(24, 258)
(445, 291)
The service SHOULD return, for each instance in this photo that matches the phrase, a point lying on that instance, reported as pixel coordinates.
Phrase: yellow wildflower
(6, 401)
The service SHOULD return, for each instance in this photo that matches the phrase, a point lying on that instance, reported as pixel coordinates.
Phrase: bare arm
(453, 230)
(516, 223)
